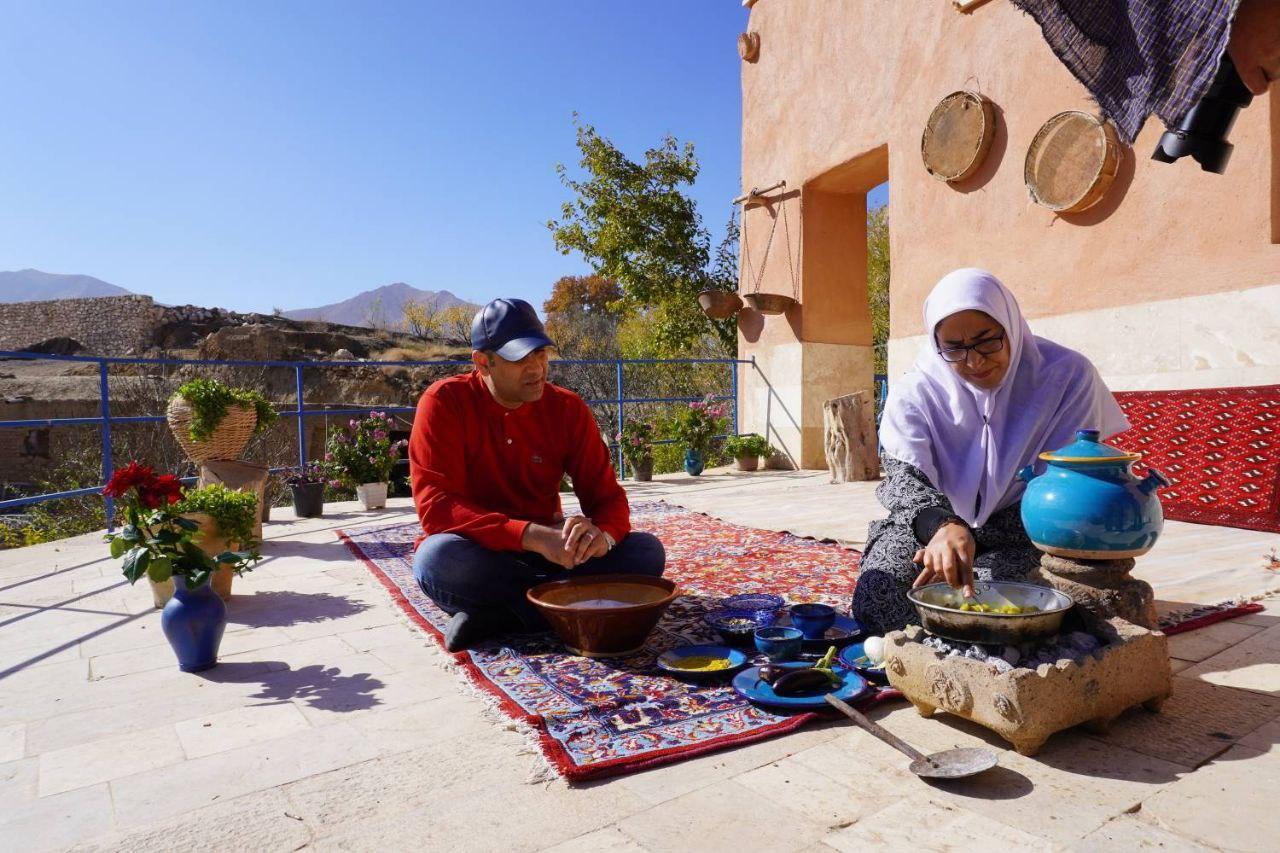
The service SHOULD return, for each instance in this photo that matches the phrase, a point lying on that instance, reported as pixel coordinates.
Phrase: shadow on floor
(332, 550)
(323, 687)
(281, 608)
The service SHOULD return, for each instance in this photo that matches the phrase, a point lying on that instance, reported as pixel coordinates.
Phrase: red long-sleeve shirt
(486, 472)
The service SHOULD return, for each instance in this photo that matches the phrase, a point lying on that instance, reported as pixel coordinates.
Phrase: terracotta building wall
(1173, 280)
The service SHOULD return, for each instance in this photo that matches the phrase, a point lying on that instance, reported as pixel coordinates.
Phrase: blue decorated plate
(750, 686)
(845, 630)
(856, 659)
(670, 659)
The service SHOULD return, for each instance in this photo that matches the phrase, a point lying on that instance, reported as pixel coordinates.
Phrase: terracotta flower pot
(213, 543)
(748, 463)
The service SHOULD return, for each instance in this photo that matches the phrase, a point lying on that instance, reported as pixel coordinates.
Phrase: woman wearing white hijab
(983, 401)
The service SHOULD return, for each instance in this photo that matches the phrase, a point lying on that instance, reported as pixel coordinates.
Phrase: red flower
(126, 478)
(158, 491)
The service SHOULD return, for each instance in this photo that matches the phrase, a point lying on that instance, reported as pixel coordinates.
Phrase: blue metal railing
(105, 420)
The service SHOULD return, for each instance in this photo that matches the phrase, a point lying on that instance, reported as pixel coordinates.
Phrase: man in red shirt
(486, 457)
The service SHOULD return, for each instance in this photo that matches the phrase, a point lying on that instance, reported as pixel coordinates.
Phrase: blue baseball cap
(509, 327)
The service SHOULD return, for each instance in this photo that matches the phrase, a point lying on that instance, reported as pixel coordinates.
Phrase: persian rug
(596, 718)
(1219, 447)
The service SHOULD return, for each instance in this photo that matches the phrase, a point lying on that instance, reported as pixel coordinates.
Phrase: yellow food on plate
(700, 663)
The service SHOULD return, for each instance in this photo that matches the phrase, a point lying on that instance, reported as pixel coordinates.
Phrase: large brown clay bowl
(603, 615)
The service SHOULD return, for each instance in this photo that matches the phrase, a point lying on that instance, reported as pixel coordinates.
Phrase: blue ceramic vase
(1088, 505)
(193, 622)
(692, 462)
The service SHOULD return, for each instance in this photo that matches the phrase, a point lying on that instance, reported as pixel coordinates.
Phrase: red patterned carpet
(1220, 448)
(596, 718)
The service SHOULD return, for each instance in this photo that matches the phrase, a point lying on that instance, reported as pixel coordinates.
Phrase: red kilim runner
(595, 718)
(1220, 448)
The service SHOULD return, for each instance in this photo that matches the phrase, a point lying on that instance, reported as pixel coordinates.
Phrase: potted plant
(157, 541)
(363, 456)
(747, 449)
(214, 421)
(636, 440)
(695, 427)
(225, 518)
(307, 485)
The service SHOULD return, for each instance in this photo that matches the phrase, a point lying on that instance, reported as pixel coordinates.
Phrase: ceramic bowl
(603, 615)
(779, 644)
(738, 628)
(752, 601)
(813, 620)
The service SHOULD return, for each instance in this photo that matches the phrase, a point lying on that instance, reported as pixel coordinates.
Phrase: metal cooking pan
(966, 626)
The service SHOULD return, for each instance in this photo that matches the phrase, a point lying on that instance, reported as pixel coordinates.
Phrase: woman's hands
(948, 557)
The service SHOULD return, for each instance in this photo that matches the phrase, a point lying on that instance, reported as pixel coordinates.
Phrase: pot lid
(1088, 449)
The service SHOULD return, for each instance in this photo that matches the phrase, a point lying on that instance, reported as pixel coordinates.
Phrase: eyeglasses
(990, 346)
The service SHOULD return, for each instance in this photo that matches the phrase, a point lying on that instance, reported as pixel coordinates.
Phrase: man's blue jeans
(460, 575)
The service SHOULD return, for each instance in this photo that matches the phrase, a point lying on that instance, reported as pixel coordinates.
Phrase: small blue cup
(813, 620)
(779, 643)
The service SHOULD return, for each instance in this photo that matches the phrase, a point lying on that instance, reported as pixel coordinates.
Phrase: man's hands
(576, 542)
(948, 557)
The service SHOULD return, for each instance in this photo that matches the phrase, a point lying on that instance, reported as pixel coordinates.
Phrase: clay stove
(1027, 704)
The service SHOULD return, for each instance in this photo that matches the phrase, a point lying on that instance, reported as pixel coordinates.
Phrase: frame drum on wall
(957, 136)
(1072, 161)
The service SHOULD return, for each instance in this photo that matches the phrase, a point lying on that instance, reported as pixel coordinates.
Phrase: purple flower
(336, 484)
(353, 423)
(379, 435)
(373, 460)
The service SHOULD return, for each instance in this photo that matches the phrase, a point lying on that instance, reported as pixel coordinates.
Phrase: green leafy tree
(634, 223)
(878, 283)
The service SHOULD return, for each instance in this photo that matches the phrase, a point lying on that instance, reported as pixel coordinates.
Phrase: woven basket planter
(229, 437)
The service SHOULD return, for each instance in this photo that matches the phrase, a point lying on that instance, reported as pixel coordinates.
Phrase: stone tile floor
(330, 724)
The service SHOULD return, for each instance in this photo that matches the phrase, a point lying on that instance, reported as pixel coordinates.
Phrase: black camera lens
(1202, 133)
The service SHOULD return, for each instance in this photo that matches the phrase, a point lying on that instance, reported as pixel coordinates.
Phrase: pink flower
(328, 457)
(373, 460)
(337, 484)
(353, 423)
(379, 435)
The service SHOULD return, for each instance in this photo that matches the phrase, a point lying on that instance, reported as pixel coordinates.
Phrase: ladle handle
(877, 729)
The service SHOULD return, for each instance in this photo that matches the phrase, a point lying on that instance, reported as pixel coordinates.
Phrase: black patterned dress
(886, 572)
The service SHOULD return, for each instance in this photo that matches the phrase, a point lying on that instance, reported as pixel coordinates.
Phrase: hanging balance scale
(769, 303)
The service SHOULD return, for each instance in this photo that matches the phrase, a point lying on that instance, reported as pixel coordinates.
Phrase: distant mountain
(382, 306)
(34, 286)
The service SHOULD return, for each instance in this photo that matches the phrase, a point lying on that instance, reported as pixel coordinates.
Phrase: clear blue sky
(287, 154)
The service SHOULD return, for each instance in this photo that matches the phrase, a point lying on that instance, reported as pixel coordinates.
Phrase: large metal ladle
(948, 764)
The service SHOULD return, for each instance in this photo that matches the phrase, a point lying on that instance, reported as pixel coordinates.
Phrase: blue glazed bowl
(752, 601)
(813, 620)
(779, 643)
(737, 628)
(1088, 504)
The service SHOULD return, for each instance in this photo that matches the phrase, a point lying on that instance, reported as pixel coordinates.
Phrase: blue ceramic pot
(692, 462)
(1089, 505)
(193, 622)
(779, 643)
(813, 620)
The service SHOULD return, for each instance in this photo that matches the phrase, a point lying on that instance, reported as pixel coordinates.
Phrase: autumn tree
(635, 224)
(426, 319)
(582, 316)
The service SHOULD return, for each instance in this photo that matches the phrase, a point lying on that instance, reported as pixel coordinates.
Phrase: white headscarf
(971, 442)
